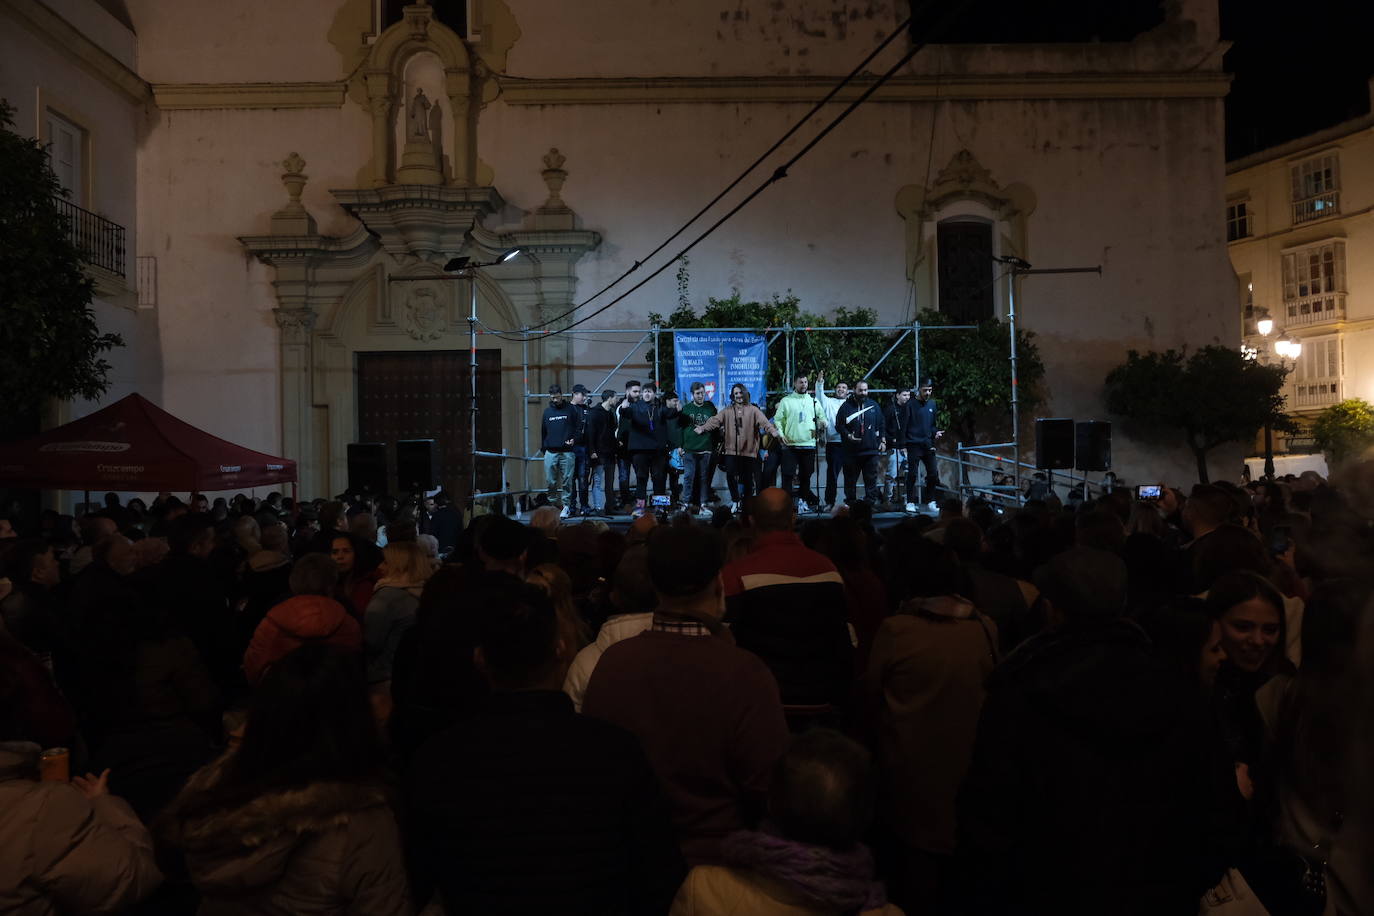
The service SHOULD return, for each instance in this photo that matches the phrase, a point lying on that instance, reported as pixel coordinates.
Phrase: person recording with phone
(742, 425)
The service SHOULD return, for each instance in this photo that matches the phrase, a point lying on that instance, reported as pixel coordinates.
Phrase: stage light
(513, 253)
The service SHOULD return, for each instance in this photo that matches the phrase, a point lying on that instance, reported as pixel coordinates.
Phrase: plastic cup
(54, 765)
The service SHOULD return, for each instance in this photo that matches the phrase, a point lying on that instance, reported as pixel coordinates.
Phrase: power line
(734, 184)
(782, 170)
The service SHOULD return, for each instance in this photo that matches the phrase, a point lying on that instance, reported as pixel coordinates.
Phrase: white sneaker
(705, 513)
(802, 507)
(933, 506)
(910, 507)
(566, 511)
(734, 508)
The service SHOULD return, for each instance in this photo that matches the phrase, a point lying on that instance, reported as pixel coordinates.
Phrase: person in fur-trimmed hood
(297, 820)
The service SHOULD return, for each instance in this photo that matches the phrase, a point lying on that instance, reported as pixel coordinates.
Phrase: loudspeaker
(367, 467)
(1093, 446)
(1054, 444)
(417, 465)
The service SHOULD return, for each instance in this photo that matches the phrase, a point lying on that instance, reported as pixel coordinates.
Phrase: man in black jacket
(1094, 784)
(894, 419)
(557, 433)
(528, 807)
(580, 451)
(644, 430)
(860, 422)
(921, 436)
(622, 454)
(601, 453)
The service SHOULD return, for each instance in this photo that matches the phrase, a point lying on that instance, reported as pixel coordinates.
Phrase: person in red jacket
(309, 616)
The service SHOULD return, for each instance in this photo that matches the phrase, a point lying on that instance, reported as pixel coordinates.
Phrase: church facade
(304, 175)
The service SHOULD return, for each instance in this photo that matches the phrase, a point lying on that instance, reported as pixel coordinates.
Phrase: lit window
(1316, 188)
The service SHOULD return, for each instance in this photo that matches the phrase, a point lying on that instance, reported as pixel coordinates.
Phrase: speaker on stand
(1053, 446)
(1093, 446)
(367, 467)
(417, 465)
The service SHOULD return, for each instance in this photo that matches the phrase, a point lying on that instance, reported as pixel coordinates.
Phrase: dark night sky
(1296, 71)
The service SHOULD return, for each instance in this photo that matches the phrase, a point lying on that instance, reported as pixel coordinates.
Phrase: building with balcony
(1300, 231)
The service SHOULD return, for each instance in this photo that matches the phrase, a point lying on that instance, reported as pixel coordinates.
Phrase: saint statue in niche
(418, 118)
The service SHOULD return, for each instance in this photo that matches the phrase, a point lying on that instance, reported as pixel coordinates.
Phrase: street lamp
(465, 267)
(1265, 325)
(1286, 348)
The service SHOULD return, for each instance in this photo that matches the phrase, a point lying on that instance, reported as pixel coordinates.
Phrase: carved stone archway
(962, 189)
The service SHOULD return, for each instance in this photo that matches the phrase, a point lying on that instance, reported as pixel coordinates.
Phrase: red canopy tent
(135, 445)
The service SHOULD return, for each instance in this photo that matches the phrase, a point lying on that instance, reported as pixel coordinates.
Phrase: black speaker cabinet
(367, 467)
(1054, 444)
(1093, 446)
(417, 465)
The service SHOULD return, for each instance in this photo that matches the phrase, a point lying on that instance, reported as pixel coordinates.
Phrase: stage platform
(622, 522)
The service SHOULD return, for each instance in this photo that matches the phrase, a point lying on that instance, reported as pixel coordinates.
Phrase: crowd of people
(370, 706)
(600, 459)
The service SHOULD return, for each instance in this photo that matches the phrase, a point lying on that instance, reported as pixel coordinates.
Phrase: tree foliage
(48, 333)
(1345, 429)
(1211, 397)
(971, 368)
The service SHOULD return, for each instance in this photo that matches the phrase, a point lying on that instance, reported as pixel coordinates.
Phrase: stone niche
(383, 287)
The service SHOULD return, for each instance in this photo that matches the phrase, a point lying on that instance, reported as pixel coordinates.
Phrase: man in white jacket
(632, 594)
(834, 448)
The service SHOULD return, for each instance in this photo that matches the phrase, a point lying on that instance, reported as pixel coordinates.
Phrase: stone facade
(587, 132)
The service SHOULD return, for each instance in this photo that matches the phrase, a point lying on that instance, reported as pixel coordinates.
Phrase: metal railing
(1327, 203)
(1314, 309)
(100, 241)
(1316, 392)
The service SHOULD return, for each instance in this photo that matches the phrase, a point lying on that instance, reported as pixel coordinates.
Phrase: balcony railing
(1314, 310)
(100, 241)
(1315, 392)
(1328, 203)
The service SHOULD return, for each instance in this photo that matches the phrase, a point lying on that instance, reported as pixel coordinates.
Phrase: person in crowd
(310, 617)
(923, 690)
(527, 807)
(581, 420)
(713, 755)
(357, 570)
(801, 424)
(68, 848)
(834, 443)
(860, 422)
(894, 433)
(391, 612)
(298, 819)
(807, 859)
(265, 580)
(557, 584)
(633, 599)
(31, 612)
(997, 596)
(786, 604)
(333, 520)
(922, 433)
(644, 430)
(503, 546)
(1188, 640)
(1092, 775)
(193, 595)
(446, 523)
(846, 545)
(30, 703)
(601, 453)
(697, 450)
(558, 435)
(1206, 509)
(742, 425)
(624, 463)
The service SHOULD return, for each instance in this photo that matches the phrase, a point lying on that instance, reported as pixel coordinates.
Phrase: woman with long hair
(357, 576)
(391, 610)
(298, 818)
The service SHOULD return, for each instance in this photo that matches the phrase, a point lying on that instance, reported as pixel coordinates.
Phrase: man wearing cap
(601, 452)
(921, 436)
(580, 410)
(557, 433)
(802, 424)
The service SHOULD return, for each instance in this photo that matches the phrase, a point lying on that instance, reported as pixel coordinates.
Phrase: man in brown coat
(742, 425)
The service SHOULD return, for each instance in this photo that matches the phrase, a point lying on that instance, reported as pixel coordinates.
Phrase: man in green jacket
(696, 450)
(802, 424)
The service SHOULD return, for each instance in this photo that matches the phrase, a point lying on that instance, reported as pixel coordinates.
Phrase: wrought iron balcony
(100, 241)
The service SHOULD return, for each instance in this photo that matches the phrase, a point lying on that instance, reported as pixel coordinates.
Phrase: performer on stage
(556, 435)
(834, 445)
(601, 453)
(580, 468)
(860, 422)
(802, 424)
(894, 418)
(741, 424)
(644, 430)
(921, 436)
(631, 396)
(697, 449)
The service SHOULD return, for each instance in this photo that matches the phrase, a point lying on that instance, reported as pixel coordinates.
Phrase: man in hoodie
(557, 433)
(697, 449)
(802, 424)
(895, 418)
(860, 422)
(921, 436)
(580, 411)
(834, 445)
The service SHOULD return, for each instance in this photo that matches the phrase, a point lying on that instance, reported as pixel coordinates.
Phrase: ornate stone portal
(382, 287)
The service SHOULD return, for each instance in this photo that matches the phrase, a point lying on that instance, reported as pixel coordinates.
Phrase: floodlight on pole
(510, 255)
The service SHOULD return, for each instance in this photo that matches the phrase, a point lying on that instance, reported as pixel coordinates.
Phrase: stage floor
(621, 522)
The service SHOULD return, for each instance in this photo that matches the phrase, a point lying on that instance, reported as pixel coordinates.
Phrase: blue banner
(719, 359)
